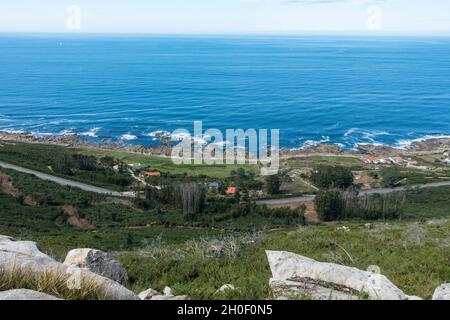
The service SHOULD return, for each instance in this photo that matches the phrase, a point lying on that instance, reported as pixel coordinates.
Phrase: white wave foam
(128, 137)
(91, 133)
(315, 143)
(405, 143)
(159, 134)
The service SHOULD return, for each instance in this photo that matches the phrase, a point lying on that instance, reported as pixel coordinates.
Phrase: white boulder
(98, 262)
(224, 288)
(148, 294)
(151, 294)
(28, 248)
(296, 276)
(442, 292)
(24, 294)
(18, 258)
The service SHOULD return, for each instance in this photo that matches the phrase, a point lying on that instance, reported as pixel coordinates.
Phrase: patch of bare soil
(311, 213)
(75, 219)
(7, 186)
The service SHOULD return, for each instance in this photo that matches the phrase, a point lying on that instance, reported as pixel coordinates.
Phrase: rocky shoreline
(426, 146)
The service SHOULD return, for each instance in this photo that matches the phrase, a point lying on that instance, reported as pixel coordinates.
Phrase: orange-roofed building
(370, 160)
(152, 174)
(231, 191)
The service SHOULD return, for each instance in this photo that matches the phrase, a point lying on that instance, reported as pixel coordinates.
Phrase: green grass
(41, 157)
(313, 161)
(428, 203)
(166, 164)
(416, 268)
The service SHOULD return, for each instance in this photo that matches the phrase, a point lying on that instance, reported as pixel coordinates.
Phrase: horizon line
(367, 34)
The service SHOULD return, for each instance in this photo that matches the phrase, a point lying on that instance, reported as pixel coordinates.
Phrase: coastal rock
(37, 265)
(442, 292)
(296, 276)
(24, 294)
(98, 262)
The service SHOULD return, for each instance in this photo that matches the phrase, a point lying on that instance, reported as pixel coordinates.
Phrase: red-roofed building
(370, 160)
(231, 191)
(151, 174)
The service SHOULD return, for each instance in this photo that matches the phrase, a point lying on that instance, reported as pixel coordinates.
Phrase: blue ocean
(123, 88)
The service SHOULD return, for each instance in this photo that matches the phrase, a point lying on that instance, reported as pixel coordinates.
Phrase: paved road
(274, 202)
(64, 182)
(309, 198)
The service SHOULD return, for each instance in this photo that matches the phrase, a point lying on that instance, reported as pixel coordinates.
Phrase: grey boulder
(98, 262)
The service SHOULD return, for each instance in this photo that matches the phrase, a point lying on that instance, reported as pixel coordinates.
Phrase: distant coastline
(418, 146)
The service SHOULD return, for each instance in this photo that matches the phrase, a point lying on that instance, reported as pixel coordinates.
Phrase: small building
(231, 191)
(151, 174)
(213, 185)
(370, 160)
(397, 160)
(446, 161)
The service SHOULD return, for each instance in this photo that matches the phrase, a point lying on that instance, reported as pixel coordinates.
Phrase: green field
(166, 164)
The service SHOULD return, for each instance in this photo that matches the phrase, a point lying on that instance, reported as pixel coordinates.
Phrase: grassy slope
(166, 165)
(417, 267)
(39, 156)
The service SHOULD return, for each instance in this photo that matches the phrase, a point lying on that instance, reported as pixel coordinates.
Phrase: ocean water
(345, 90)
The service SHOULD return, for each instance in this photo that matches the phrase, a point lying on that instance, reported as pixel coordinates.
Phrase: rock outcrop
(225, 288)
(442, 292)
(98, 262)
(24, 294)
(297, 276)
(25, 258)
(151, 294)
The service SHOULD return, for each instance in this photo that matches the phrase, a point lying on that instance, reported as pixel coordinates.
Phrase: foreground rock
(24, 258)
(442, 292)
(27, 248)
(24, 294)
(225, 288)
(98, 262)
(151, 294)
(296, 276)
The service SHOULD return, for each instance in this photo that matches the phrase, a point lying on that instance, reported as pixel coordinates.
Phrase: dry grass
(52, 283)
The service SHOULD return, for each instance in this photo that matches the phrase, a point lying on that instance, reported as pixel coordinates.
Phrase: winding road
(310, 198)
(271, 202)
(65, 182)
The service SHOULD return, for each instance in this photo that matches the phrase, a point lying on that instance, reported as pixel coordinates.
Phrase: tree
(329, 204)
(328, 177)
(273, 184)
(190, 198)
(391, 176)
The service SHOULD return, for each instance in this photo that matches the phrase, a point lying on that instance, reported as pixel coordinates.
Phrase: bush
(391, 177)
(334, 205)
(273, 184)
(329, 204)
(328, 177)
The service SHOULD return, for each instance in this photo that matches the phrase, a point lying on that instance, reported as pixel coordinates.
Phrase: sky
(410, 17)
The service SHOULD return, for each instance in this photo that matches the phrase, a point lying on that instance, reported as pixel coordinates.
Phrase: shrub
(329, 204)
(328, 177)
